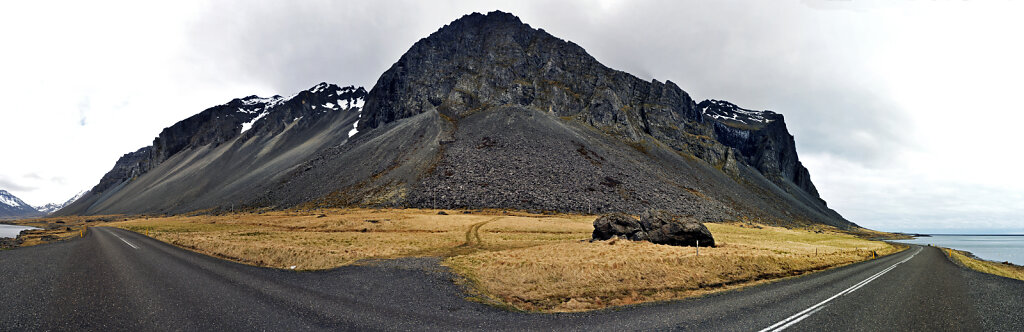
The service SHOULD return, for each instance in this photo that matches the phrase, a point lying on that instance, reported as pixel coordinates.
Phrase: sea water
(999, 248)
(12, 230)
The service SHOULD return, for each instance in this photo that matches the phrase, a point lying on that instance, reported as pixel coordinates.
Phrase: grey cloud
(59, 180)
(84, 105)
(294, 45)
(758, 55)
(10, 184)
(908, 202)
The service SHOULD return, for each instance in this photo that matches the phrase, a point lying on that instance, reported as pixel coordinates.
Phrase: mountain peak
(13, 207)
(478, 61)
(491, 18)
(484, 112)
(730, 114)
(9, 199)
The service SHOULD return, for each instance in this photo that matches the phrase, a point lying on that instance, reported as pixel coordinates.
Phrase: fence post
(698, 248)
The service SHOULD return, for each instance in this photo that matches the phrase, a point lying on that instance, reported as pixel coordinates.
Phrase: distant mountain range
(12, 207)
(487, 112)
(53, 207)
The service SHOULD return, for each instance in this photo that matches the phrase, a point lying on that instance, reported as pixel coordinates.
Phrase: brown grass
(60, 228)
(520, 260)
(574, 276)
(341, 237)
(1000, 269)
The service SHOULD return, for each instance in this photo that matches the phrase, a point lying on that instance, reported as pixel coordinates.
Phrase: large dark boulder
(664, 228)
(618, 225)
(657, 227)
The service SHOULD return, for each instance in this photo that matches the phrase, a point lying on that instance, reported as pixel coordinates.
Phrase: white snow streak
(247, 125)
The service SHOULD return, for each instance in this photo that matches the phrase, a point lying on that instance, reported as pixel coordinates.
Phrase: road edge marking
(789, 321)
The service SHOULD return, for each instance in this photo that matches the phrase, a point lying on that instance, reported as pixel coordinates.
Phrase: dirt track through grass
(473, 233)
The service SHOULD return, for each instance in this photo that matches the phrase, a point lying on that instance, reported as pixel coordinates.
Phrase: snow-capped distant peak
(8, 199)
(76, 197)
(320, 87)
(53, 207)
(259, 102)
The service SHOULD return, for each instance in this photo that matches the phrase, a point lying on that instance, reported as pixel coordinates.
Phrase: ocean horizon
(992, 247)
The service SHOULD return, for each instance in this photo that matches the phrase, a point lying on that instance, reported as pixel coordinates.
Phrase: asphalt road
(119, 280)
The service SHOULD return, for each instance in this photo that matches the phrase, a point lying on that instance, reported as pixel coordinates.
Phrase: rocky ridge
(485, 112)
(237, 121)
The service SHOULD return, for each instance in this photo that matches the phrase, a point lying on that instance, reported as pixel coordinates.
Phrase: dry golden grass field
(996, 268)
(525, 261)
(530, 262)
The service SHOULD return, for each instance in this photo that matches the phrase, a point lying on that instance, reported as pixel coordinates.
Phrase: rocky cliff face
(762, 139)
(482, 63)
(485, 112)
(128, 167)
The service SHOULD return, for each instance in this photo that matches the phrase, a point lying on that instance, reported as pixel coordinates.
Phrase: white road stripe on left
(126, 241)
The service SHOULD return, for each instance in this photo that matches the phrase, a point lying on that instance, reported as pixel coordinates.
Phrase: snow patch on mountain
(53, 207)
(10, 200)
(355, 129)
(358, 102)
(723, 110)
(246, 126)
(264, 102)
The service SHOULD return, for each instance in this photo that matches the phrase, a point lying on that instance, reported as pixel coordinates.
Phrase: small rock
(442, 213)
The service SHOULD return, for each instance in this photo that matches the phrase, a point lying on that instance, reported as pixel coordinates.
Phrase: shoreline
(968, 260)
(16, 240)
(960, 242)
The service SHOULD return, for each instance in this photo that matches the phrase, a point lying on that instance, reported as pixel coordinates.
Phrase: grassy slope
(526, 261)
(999, 269)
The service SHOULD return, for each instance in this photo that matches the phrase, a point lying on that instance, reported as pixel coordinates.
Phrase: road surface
(118, 280)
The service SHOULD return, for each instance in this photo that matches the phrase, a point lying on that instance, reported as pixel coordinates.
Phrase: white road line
(785, 323)
(125, 241)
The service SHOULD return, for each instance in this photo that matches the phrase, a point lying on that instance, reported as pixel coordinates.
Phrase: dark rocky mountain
(225, 152)
(485, 112)
(12, 207)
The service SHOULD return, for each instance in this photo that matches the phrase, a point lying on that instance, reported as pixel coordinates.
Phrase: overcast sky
(906, 113)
